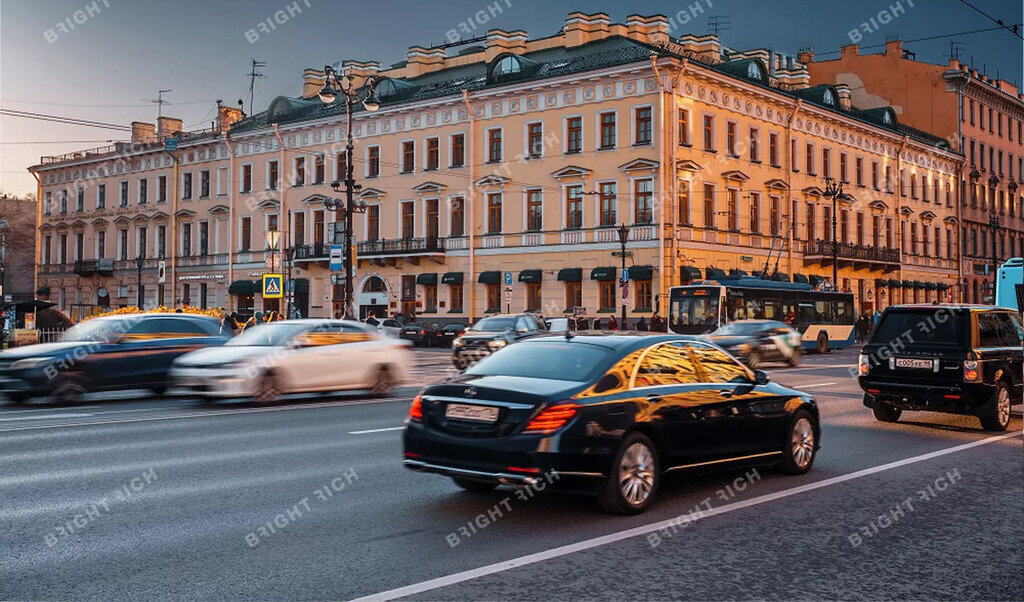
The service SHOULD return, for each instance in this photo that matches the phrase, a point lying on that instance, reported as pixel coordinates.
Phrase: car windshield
(95, 331)
(268, 335)
(742, 328)
(557, 361)
(494, 325)
(913, 327)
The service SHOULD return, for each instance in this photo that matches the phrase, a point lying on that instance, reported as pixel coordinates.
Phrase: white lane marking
(814, 385)
(37, 410)
(208, 414)
(830, 366)
(498, 567)
(45, 416)
(391, 428)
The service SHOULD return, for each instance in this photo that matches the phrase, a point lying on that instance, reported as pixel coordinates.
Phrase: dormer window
(506, 66)
(509, 67)
(754, 72)
(829, 98)
(887, 118)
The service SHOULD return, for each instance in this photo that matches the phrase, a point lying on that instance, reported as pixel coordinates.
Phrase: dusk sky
(104, 68)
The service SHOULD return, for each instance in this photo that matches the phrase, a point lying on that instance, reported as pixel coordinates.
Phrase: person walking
(613, 324)
(657, 323)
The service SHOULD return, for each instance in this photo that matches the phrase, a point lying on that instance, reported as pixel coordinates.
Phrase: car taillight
(416, 409)
(864, 367)
(971, 373)
(552, 418)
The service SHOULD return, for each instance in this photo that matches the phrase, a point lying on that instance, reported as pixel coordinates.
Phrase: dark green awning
(570, 275)
(243, 287)
(943, 286)
(427, 278)
(918, 284)
(798, 277)
(780, 277)
(737, 272)
(930, 286)
(688, 272)
(301, 285)
(908, 284)
(603, 273)
(895, 283)
(43, 290)
(532, 276)
(491, 277)
(881, 282)
(641, 272)
(713, 273)
(815, 280)
(452, 278)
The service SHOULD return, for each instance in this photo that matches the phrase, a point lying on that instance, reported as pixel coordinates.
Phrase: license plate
(468, 412)
(905, 362)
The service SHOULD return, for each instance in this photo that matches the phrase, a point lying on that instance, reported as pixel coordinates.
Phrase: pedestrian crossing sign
(272, 286)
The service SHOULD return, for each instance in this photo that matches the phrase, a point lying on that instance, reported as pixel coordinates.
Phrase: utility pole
(252, 79)
(993, 223)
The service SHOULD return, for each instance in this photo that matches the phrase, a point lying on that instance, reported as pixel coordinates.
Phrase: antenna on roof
(159, 102)
(252, 79)
(718, 23)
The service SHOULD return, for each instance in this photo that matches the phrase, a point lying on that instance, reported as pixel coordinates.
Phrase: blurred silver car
(756, 341)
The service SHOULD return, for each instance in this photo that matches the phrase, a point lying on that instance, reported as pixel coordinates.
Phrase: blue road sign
(625, 274)
(337, 258)
(272, 286)
(508, 279)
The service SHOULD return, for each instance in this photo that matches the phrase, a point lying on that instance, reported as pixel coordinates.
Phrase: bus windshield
(694, 310)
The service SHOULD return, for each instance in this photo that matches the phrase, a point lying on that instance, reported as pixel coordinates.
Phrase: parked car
(608, 415)
(127, 351)
(492, 333)
(450, 332)
(295, 356)
(754, 342)
(388, 326)
(420, 334)
(959, 359)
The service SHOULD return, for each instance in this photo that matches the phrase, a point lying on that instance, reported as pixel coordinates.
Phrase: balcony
(94, 267)
(389, 251)
(313, 251)
(820, 251)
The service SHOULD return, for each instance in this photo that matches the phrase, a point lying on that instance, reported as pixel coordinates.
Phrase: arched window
(829, 98)
(506, 66)
(754, 71)
(375, 284)
(887, 118)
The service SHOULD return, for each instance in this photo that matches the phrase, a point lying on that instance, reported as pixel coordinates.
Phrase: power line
(160, 102)
(57, 141)
(946, 35)
(1014, 29)
(108, 106)
(62, 119)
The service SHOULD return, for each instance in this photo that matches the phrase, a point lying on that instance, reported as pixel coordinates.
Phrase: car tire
(69, 389)
(159, 390)
(17, 398)
(794, 360)
(800, 448)
(268, 390)
(885, 412)
(1000, 407)
(754, 360)
(474, 486)
(460, 364)
(822, 343)
(633, 477)
(382, 382)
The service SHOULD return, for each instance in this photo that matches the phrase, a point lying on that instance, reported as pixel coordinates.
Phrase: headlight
(458, 343)
(32, 362)
(497, 344)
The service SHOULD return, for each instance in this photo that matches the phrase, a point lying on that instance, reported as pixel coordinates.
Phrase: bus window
(694, 311)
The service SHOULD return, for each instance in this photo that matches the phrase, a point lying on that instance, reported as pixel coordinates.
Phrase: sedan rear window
(939, 327)
(557, 361)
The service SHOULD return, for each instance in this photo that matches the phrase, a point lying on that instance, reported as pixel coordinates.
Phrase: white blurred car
(388, 326)
(294, 356)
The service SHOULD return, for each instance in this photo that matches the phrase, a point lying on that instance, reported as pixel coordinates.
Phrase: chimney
(649, 30)
(312, 82)
(805, 56)
(844, 96)
(848, 51)
(581, 28)
(894, 48)
(167, 126)
(143, 132)
(360, 70)
(500, 41)
(424, 60)
(227, 116)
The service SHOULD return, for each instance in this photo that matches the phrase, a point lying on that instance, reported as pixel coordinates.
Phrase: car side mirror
(761, 377)
(607, 383)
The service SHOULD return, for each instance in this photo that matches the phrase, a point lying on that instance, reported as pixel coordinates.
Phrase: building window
(204, 184)
(408, 219)
(80, 199)
(299, 229)
(143, 191)
(494, 146)
(709, 206)
(573, 295)
(793, 156)
(273, 175)
(606, 295)
(574, 207)
(433, 154)
(245, 235)
(494, 213)
(101, 244)
(609, 203)
(643, 295)
(534, 211)
(732, 209)
(433, 226)
(643, 126)
(709, 133)
(101, 194)
(533, 298)
(842, 168)
(574, 135)
(683, 123)
(773, 149)
(755, 213)
(755, 145)
(493, 298)
(535, 139)
(122, 244)
(455, 297)
(373, 161)
(340, 166)
(608, 130)
(826, 163)
(408, 156)
(809, 155)
(373, 222)
(730, 139)
(319, 168)
(774, 216)
(122, 200)
(874, 176)
(458, 215)
(161, 189)
(458, 150)
(683, 203)
(643, 197)
(204, 238)
(430, 298)
(811, 226)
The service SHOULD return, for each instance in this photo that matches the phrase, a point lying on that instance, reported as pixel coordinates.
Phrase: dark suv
(960, 359)
(491, 334)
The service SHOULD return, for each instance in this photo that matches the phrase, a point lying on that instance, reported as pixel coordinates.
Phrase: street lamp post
(623, 231)
(993, 223)
(140, 261)
(835, 190)
(333, 84)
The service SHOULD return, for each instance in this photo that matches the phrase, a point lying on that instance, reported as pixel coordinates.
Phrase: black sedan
(754, 342)
(130, 351)
(606, 415)
(491, 334)
(450, 332)
(425, 335)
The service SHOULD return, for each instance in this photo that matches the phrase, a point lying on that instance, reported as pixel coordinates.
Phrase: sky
(112, 61)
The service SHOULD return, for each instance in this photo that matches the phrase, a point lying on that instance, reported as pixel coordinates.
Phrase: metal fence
(49, 335)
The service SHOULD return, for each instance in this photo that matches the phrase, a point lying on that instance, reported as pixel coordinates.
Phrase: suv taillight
(552, 418)
(416, 409)
(971, 372)
(863, 365)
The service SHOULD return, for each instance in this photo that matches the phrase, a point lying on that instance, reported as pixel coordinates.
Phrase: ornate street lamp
(623, 231)
(140, 262)
(834, 190)
(335, 83)
(996, 226)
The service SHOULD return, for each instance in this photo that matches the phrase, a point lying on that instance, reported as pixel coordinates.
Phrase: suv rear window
(938, 327)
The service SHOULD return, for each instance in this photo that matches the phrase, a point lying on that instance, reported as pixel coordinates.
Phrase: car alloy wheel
(382, 384)
(1000, 418)
(822, 343)
(754, 360)
(802, 443)
(636, 474)
(69, 390)
(794, 360)
(267, 391)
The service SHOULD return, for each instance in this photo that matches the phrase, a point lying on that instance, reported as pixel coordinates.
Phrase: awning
(452, 278)
(603, 273)
(491, 277)
(300, 286)
(43, 290)
(930, 286)
(532, 276)
(428, 279)
(737, 272)
(798, 277)
(881, 282)
(713, 273)
(780, 277)
(815, 280)
(641, 272)
(908, 284)
(895, 283)
(688, 272)
(943, 286)
(570, 275)
(243, 287)
(918, 284)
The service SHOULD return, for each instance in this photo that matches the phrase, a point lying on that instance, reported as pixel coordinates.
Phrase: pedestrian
(641, 324)
(657, 323)
(612, 323)
(253, 320)
(228, 325)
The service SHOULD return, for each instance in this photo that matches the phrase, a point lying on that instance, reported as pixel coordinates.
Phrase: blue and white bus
(1010, 284)
(825, 319)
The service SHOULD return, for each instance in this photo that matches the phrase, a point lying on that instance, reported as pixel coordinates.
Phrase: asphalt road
(132, 498)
